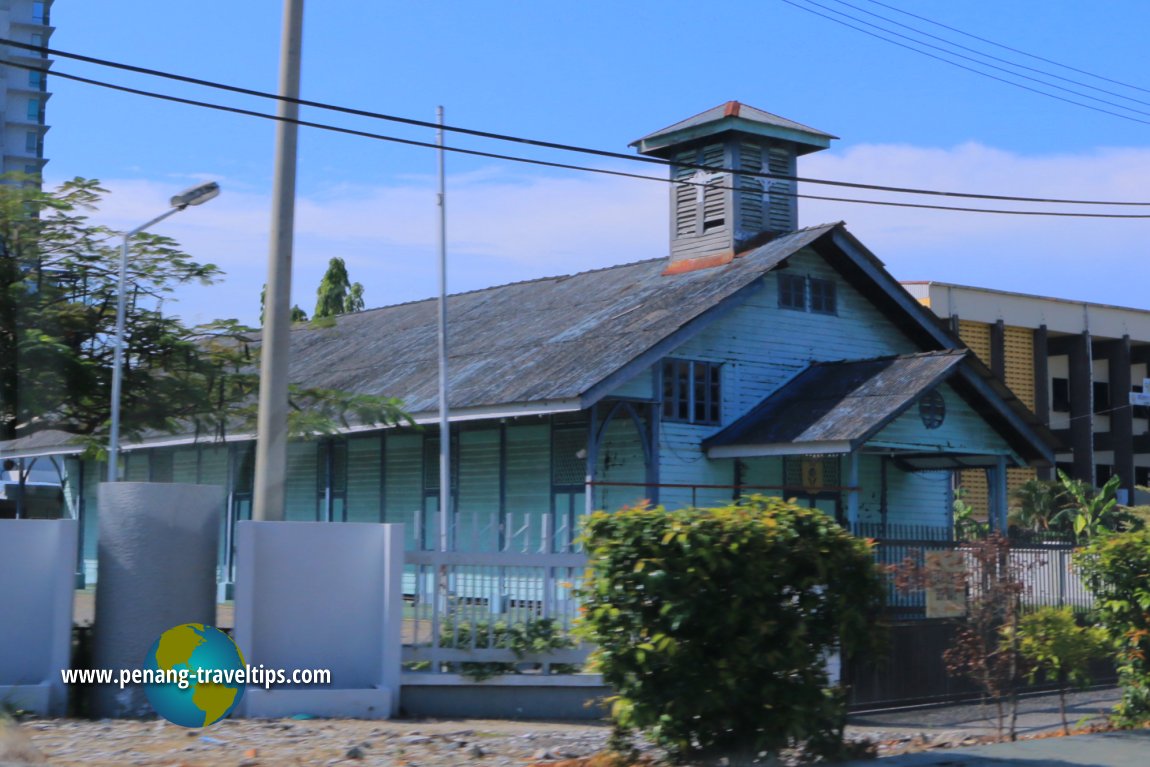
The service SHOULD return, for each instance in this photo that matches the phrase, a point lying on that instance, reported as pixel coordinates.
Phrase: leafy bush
(532, 637)
(1057, 647)
(713, 626)
(1117, 571)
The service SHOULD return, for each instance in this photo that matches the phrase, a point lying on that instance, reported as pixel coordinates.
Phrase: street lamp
(196, 195)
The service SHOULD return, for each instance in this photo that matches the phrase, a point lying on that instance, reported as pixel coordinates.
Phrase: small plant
(1092, 512)
(1059, 649)
(992, 585)
(1037, 504)
(532, 637)
(966, 527)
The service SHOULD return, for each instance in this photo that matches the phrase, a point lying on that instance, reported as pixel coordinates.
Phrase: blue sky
(601, 74)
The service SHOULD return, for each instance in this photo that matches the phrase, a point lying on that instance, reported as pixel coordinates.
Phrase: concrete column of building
(1042, 388)
(1082, 407)
(1121, 414)
(998, 349)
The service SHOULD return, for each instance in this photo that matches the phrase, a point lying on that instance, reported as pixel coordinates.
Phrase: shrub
(533, 637)
(1117, 571)
(713, 626)
(1057, 647)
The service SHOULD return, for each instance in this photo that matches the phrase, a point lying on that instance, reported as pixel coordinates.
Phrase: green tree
(297, 314)
(58, 291)
(58, 295)
(336, 293)
(712, 626)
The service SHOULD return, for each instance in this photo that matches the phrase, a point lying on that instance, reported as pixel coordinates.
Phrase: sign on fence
(945, 584)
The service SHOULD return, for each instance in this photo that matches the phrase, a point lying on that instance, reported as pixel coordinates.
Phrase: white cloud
(505, 226)
(1102, 260)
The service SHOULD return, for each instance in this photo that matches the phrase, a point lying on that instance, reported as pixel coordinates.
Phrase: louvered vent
(780, 216)
(685, 208)
(714, 211)
(750, 189)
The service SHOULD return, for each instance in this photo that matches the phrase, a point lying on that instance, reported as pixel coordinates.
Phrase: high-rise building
(25, 91)
(1075, 364)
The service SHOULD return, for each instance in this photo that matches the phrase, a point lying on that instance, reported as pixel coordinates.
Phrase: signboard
(814, 477)
(945, 584)
(1143, 397)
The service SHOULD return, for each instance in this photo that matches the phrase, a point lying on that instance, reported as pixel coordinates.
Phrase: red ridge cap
(731, 109)
(697, 264)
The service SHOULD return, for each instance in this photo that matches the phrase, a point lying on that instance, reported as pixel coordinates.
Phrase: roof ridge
(528, 281)
(568, 276)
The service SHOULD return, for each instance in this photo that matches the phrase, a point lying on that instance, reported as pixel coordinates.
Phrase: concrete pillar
(1082, 408)
(36, 592)
(1121, 414)
(998, 350)
(157, 569)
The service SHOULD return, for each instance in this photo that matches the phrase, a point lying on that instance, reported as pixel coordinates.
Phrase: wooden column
(1082, 408)
(1121, 414)
(1042, 388)
(853, 497)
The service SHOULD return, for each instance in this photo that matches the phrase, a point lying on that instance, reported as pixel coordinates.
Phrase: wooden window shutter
(781, 203)
(751, 188)
(714, 212)
(686, 212)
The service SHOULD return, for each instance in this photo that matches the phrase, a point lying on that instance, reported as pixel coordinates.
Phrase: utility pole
(271, 442)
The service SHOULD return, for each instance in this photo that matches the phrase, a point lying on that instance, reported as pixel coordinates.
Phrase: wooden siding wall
(403, 484)
(302, 490)
(760, 347)
(477, 504)
(503, 473)
(621, 459)
(963, 429)
(529, 478)
(363, 479)
(912, 498)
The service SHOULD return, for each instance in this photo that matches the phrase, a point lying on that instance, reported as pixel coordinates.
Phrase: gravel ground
(474, 743)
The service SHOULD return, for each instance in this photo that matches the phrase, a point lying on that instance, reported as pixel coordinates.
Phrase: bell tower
(715, 214)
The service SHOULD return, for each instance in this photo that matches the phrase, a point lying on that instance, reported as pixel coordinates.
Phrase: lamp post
(196, 195)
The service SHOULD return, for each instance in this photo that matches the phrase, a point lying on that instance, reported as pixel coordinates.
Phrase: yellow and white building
(1074, 363)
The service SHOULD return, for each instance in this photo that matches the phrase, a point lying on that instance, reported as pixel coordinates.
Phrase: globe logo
(194, 675)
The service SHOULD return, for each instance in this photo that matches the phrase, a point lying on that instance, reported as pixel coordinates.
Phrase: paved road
(1111, 749)
(1037, 715)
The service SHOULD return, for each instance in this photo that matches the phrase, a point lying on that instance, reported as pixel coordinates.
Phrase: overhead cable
(568, 166)
(810, 10)
(1008, 48)
(537, 142)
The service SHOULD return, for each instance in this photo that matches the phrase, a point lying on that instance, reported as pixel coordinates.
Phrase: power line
(1013, 50)
(1008, 62)
(568, 166)
(969, 58)
(963, 66)
(537, 142)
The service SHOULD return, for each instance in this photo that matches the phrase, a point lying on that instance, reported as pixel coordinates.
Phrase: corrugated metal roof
(734, 114)
(544, 340)
(847, 401)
